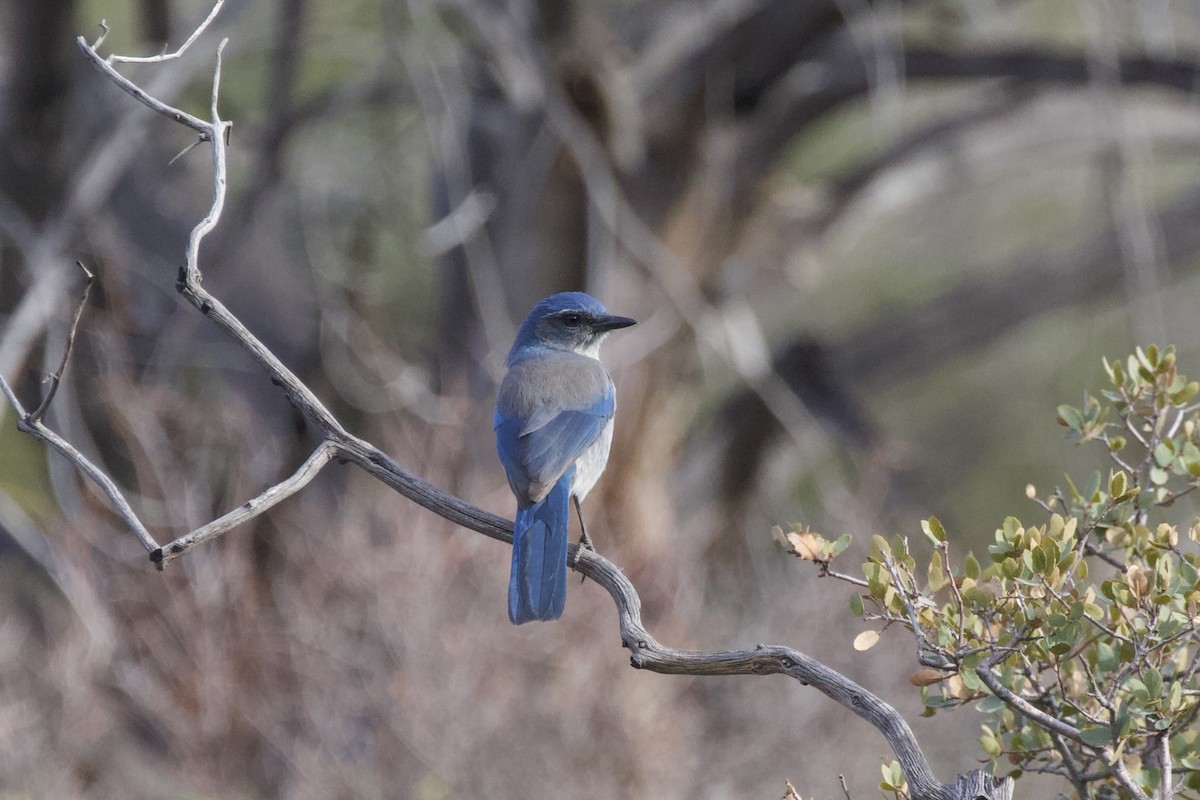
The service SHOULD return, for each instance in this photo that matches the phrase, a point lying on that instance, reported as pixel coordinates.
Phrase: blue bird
(553, 421)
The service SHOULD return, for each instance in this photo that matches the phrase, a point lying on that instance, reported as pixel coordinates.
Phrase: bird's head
(568, 321)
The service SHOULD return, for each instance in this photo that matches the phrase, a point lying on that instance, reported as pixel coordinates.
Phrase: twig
(823, 571)
(55, 378)
(164, 56)
(34, 427)
(251, 508)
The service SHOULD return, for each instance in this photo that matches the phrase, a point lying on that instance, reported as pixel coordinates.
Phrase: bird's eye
(571, 320)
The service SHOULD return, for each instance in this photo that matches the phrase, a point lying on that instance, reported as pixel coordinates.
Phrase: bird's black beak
(612, 323)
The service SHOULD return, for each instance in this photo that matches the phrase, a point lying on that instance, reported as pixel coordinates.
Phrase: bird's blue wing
(508, 436)
(549, 450)
(536, 450)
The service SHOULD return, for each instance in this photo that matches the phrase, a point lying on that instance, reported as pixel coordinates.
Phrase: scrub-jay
(553, 424)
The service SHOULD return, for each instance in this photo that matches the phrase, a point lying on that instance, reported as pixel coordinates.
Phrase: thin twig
(251, 508)
(34, 427)
(196, 34)
(55, 378)
(823, 571)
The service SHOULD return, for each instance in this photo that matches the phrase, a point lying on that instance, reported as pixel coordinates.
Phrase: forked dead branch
(338, 443)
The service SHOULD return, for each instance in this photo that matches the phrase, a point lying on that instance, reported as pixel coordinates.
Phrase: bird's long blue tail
(537, 586)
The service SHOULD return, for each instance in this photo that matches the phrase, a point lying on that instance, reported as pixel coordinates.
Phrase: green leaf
(1070, 417)
(1117, 483)
(979, 596)
(1061, 648)
(1117, 373)
(1154, 683)
(879, 547)
(1039, 560)
(1147, 367)
(1175, 697)
(1164, 453)
(971, 567)
(877, 578)
(1189, 390)
(1190, 459)
(856, 605)
(991, 705)
(1096, 736)
(934, 530)
(935, 577)
(972, 681)
(1106, 657)
(1188, 574)
(841, 544)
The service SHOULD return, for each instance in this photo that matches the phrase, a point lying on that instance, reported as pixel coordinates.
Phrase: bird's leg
(585, 541)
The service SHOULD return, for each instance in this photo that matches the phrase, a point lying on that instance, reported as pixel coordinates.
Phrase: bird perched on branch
(553, 421)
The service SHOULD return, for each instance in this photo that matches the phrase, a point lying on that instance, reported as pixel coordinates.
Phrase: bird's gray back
(554, 380)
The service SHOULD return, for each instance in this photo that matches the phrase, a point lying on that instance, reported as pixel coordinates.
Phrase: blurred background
(872, 245)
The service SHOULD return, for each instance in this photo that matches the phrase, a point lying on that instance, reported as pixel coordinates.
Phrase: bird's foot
(585, 543)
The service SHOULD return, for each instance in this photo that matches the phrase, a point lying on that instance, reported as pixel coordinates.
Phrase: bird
(553, 423)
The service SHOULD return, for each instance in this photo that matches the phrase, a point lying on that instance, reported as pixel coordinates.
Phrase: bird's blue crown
(567, 301)
(547, 324)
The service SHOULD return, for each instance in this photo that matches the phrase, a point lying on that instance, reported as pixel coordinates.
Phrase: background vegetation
(873, 246)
